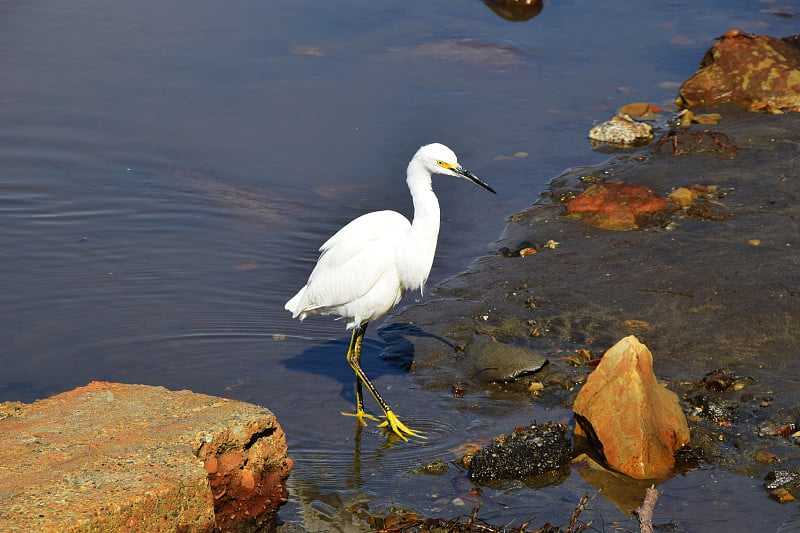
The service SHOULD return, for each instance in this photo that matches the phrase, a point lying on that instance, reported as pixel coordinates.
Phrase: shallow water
(169, 170)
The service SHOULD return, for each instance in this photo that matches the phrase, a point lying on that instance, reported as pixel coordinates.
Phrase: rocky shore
(712, 287)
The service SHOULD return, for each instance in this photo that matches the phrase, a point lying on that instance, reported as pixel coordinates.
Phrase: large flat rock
(116, 457)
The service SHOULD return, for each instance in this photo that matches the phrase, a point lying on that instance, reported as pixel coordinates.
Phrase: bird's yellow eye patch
(444, 164)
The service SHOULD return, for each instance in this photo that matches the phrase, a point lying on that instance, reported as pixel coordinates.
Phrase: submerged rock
(537, 449)
(495, 361)
(758, 71)
(477, 53)
(637, 423)
(620, 207)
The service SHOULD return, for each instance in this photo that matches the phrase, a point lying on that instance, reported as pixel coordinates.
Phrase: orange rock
(620, 206)
(637, 423)
(124, 458)
(683, 196)
(758, 71)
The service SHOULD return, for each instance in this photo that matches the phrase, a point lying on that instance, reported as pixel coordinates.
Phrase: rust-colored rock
(758, 71)
(620, 207)
(637, 423)
(124, 458)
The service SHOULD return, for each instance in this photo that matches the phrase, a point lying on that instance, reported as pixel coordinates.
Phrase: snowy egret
(364, 269)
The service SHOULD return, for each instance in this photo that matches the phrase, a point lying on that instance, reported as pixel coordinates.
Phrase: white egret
(364, 269)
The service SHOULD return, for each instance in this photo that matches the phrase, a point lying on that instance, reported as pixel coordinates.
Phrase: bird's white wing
(351, 263)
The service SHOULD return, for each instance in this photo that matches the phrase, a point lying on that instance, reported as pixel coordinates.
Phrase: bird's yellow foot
(392, 423)
(361, 415)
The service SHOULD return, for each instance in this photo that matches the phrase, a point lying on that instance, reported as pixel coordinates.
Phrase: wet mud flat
(713, 289)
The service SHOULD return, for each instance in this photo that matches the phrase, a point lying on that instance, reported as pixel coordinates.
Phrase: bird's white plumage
(364, 269)
(355, 276)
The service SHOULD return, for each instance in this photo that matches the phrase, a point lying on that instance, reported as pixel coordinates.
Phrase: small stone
(458, 392)
(468, 452)
(782, 495)
(707, 118)
(536, 386)
(527, 251)
(622, 130)
(717, 381)
(704, 209)
(682, 196)
(434, 468)
(766, 458)
(640, 109)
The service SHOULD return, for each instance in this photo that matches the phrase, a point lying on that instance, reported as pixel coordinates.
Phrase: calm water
(168, 170)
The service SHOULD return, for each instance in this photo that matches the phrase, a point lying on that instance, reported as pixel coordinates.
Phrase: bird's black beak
(466, 174)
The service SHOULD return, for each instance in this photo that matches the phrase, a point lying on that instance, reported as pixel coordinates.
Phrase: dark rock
(718, 381)
(684, 142)
(434, 468)
(495, 361)
(783, 484)
(713, 410)
(780, 478)
(703, 209)
(537, 449)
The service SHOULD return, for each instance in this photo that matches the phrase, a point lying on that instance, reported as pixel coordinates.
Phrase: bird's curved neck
(426, 206)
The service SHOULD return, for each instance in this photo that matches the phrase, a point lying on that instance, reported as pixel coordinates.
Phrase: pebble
(622, 129)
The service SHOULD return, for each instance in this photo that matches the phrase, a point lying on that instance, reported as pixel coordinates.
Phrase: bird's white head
(437, 158)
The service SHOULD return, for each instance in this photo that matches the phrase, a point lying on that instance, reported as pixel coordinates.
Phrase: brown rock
(115, 457)
(636, 422)
(515, 10)
(758, 71)
(620, 207)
